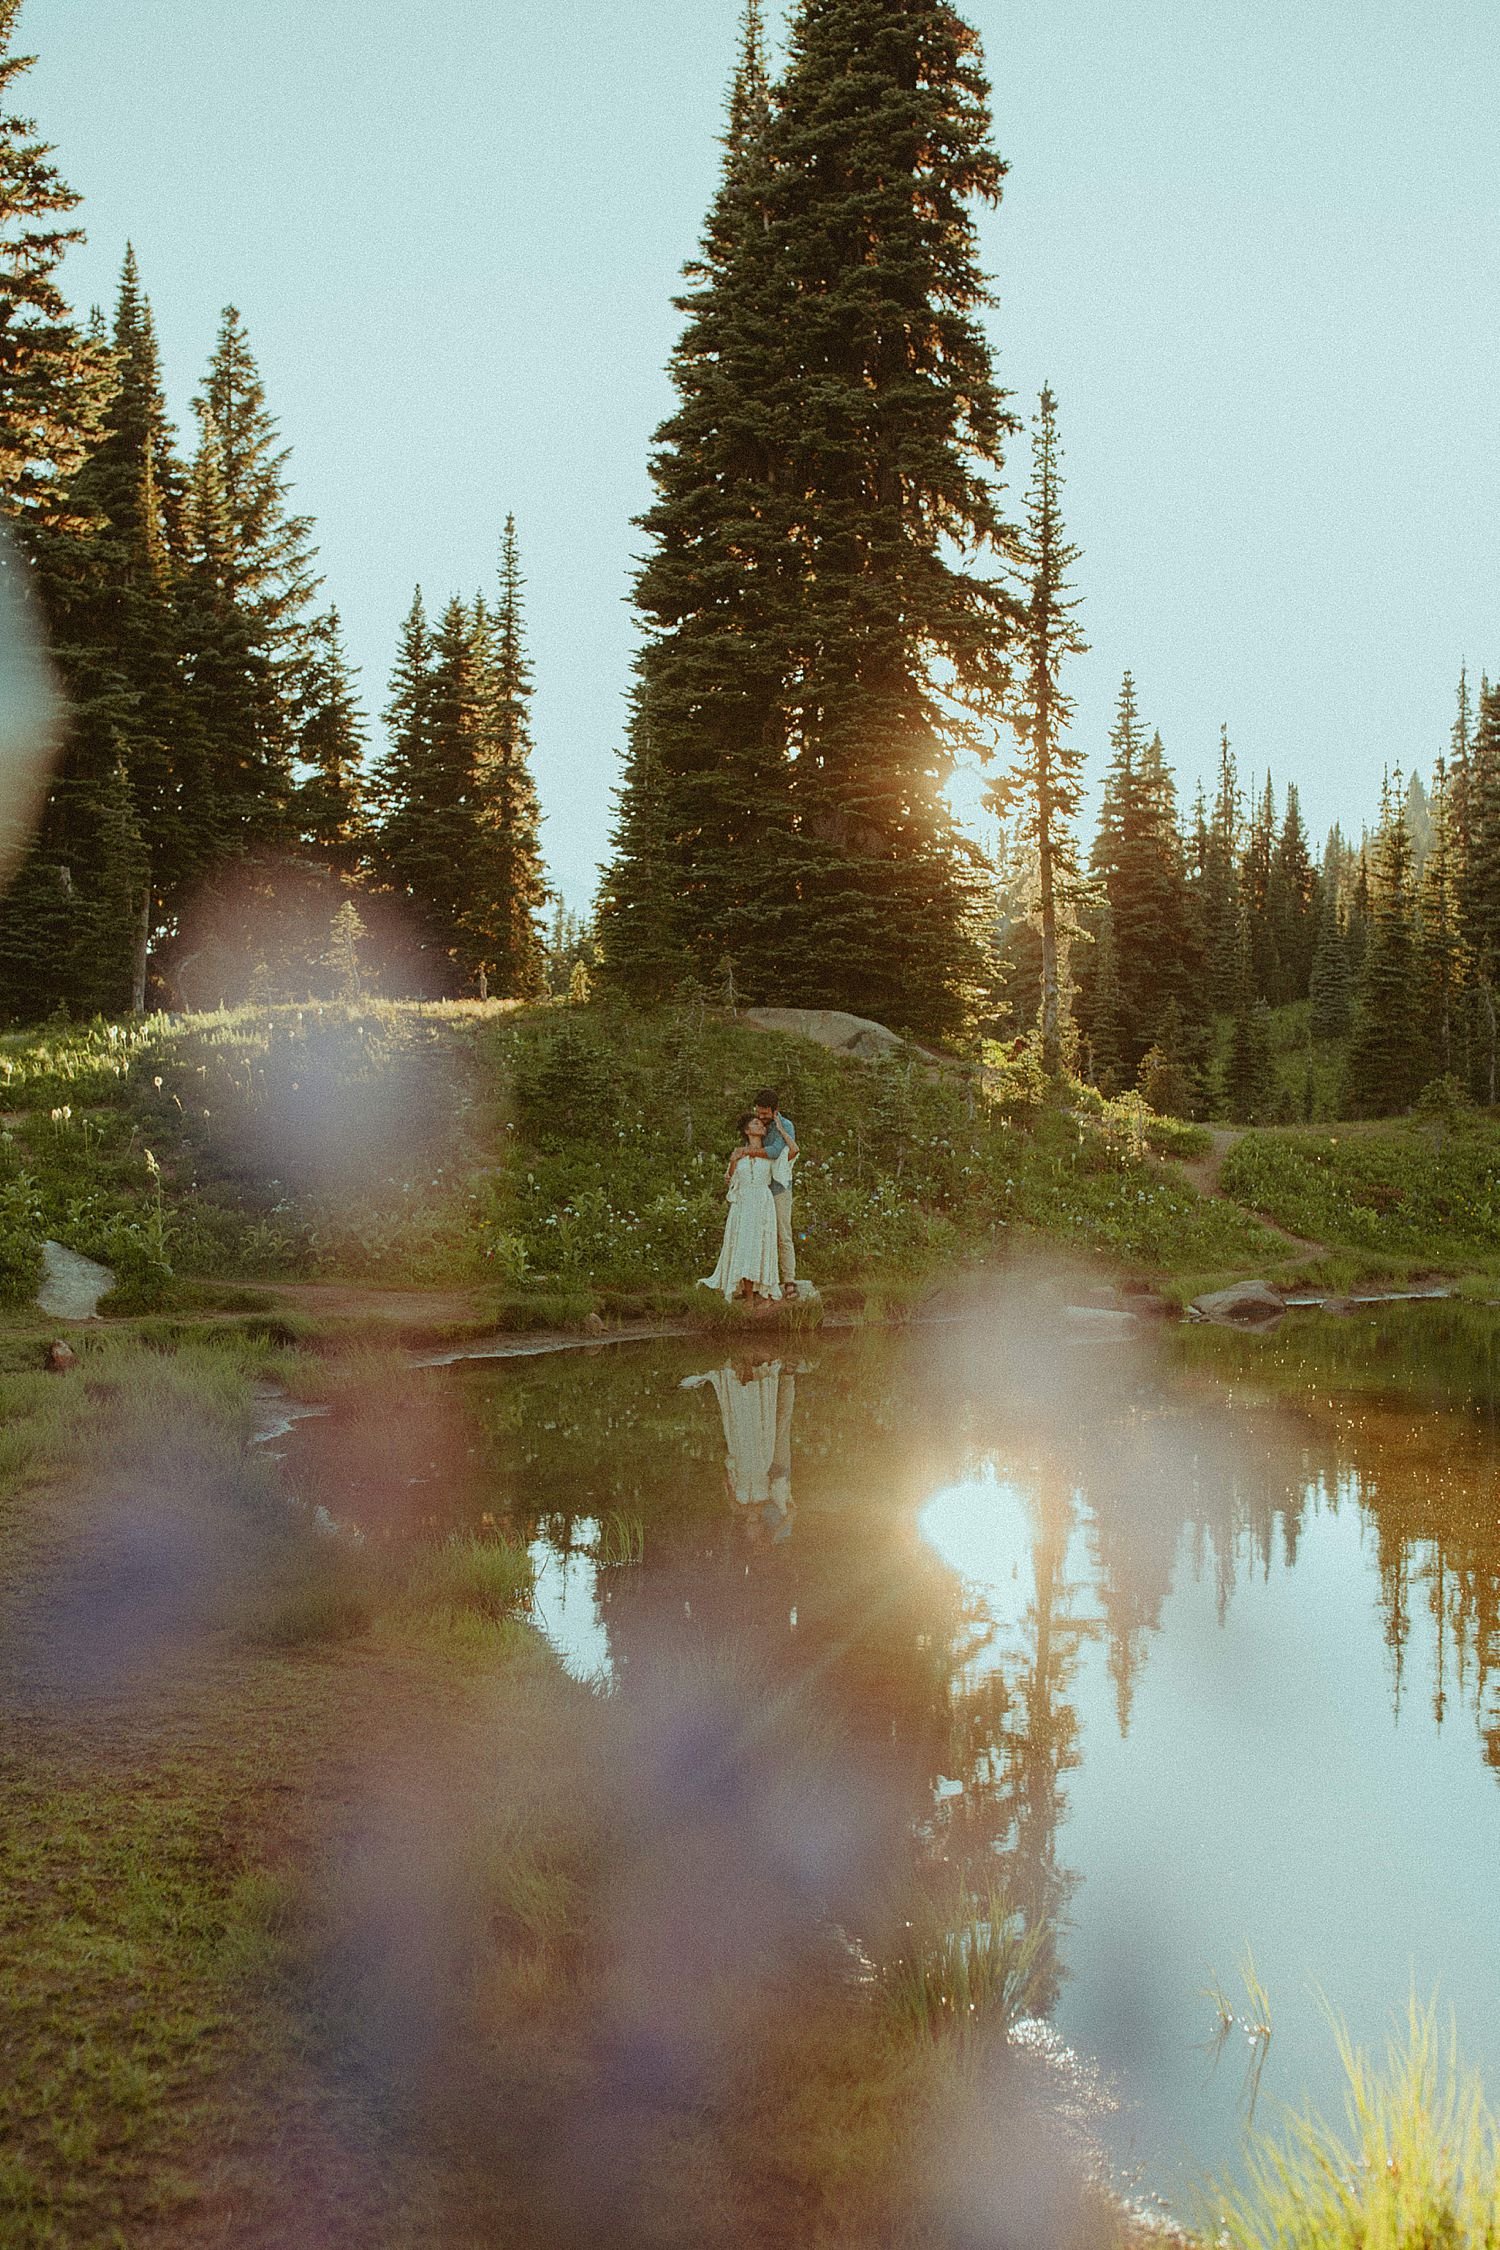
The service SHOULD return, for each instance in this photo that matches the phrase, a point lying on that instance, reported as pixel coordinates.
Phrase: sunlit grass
(1414, 2166)
(959, 1969)
(468, 1574)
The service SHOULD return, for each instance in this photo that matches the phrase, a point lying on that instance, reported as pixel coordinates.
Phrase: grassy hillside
(556, 1152)
(1416, 1192)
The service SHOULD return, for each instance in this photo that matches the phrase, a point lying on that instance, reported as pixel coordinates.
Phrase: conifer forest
(855, 578)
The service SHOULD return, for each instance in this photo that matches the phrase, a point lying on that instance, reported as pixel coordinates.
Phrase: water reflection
(757, 1398)
(1191, 1648)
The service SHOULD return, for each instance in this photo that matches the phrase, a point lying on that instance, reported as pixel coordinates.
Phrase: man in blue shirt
(781, 1137)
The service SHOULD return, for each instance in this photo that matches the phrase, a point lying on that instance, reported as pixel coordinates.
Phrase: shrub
(20, 1240)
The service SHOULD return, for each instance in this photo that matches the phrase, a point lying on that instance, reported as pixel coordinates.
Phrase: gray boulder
(1247, 1304)
(71, 1285)
(830, 1027)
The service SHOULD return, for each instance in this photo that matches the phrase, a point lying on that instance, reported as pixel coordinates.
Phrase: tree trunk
(1051, 1003)
(139, 952)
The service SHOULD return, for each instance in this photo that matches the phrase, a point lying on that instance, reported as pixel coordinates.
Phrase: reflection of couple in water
(756, 1402)
(758, 1260)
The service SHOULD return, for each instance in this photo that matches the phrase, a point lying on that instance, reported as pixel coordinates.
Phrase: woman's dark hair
(742, 1124)
(768, 1098)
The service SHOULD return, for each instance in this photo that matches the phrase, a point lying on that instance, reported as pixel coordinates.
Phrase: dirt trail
(1202, 1173)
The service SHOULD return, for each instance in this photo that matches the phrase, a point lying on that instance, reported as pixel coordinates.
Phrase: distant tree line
(834, 611)
(215, 755)
(1183, 934)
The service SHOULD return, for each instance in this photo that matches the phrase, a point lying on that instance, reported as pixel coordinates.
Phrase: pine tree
(328, 807)
(506, 885)
(1220, 886)
(879, 148)
(1460, 742)
(66, 933)
(426, 844)
(254, 582)
(53, 379)
(238, 730)
(811, 628)
(1167, 1082)
(135, 485)
(1291, 907)
(1107, 1038)
(1439, 942)
(705, 862)
(1389, 1060)
(1255, 892)
(407, 789)
(1137, 856)
(342, 958)
(1357, 909)
(1046, 780)
(1248, 1072)
(1479, 845)
(1331, 981)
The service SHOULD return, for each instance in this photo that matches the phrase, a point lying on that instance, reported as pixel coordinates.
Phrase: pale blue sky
(1253, 245)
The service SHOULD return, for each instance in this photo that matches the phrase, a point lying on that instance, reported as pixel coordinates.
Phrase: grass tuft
(1416, 2165)
(955, 1972)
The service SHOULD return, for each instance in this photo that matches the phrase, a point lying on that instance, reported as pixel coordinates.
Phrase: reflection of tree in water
(1128, 1478)
(1015, 1735)
(1397, 1413)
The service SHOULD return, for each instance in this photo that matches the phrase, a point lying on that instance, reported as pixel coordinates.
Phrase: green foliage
(1396, 1190)
(480, 1576)
(20, 1239)
(969, 1968)
(1389, 1054)
(1080, 1187)
(814, 596)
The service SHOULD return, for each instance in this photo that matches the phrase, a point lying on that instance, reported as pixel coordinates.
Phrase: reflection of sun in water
(982, 1528)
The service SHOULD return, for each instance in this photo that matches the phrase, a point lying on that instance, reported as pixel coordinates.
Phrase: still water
(1193, 1638)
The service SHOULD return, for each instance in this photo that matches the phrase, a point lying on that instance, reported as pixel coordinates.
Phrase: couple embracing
(758, 1259)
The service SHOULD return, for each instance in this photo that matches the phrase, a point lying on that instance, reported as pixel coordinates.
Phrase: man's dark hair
(768, 1098)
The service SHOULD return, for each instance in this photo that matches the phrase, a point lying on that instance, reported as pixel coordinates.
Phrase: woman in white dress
(748, 1266)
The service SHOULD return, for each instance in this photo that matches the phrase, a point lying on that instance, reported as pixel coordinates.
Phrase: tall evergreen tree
(1291, 908)
(1110, 1066)
(255, 578)
(135, 484)
(705, 863)
(53, 378)
(812, 630)
(880, 147)
(1479, 842)
(1137, 856)
(1046, 781)
(1389, 1059)
(1255, 891)
(64, 934)
(1440, 942)
(506, 886)
(1331, 980)
(329, 807)
(1460, 741)
(425, 838)
(1248, 1070)
(1220, 886)
(238, 730)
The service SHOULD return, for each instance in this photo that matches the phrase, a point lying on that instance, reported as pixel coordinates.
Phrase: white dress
(749, 1248)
